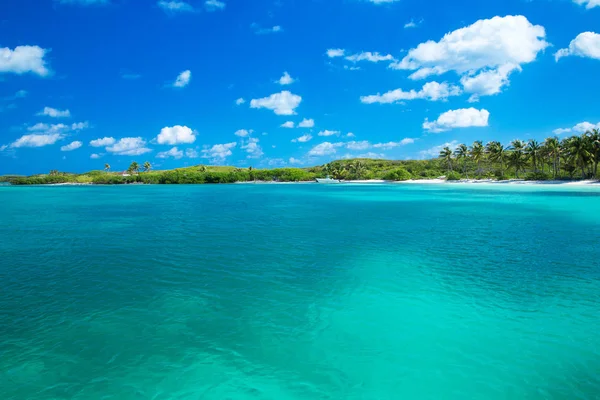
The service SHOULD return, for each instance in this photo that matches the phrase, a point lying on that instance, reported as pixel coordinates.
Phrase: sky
(280, 83)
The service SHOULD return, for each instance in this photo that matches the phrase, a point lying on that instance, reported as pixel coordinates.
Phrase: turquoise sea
(299, 292)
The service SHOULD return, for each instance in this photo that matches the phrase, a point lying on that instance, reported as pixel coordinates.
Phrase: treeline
(575, 156)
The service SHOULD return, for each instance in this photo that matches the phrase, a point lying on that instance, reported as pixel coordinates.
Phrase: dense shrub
(398, 174)
(453, 176)
(537, 176)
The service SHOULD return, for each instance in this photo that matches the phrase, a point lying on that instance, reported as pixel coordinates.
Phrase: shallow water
(299, 292)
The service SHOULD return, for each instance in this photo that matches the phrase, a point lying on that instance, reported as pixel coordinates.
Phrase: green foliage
(538, 176)
(398, 174)
(453, 176)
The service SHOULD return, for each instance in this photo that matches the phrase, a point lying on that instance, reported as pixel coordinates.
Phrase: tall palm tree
(517, 160)
(357, 168)
(553, 149)
(593, 137)
(534, 151)
(107, 167)
(134, 167)
(579, 152)
(497, 154)
(147, 166)
(338, 171)
(462, 152)
(446, 155)
(477, 152)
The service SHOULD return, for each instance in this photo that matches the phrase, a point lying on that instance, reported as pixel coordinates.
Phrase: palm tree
(517, 160)
(552, 146)
(134, 167)
(147, 166)
(593, 137)
(446, 155)
(202, 168)
(579, 152)
(107, 167)
(533, 151)
(357, 168)
(338, 171)
(497, 153)
(478, 153)
(462, 152)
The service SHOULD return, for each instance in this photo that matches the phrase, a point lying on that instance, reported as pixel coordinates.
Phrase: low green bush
(398, 174)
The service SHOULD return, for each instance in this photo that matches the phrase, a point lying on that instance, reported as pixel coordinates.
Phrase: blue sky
(286, 82)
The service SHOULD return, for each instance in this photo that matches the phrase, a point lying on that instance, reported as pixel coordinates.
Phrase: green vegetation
(569, 158)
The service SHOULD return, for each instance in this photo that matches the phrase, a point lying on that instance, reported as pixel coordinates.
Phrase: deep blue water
(299, 292)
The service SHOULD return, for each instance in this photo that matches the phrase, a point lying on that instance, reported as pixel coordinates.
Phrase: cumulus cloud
(588, 3)
(286, 79)
(329, 133)
(57, 128)
(432, 91)
(435, 151)
(333, 53)
(175, 6)
(264, 31)
(495, 47)
(580, 128)
(176, 135)
(586, 44)
(307, 123)
(243, 132)
(368, 56)
(391, 145)
(240, 101)
(363, 145)
(191, 153)
(95, 156)
(54, 113)
(324, 149)
(37, 140)
(72, 146)
(214, 5)
(487, 83)
(303, 138)
(183, 79)
(284, 103)
(129, 146)
(174, 153)
(295, 161)
(350, 135)
(462, 118)
(23, 59)
(253, 148)
(103, 142)
(218, 152)
(288, 124)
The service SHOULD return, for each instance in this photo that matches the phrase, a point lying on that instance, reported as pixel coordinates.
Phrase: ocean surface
(299, 292)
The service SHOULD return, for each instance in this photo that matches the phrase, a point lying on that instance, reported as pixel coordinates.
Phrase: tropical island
(575, 157)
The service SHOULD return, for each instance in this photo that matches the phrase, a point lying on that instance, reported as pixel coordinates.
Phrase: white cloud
(129, 146)
(333, 53)
(263, 31)
(588, 3)
(586, 44)
(329, 133)
(214, 5)
(324, 149)
(253, 148)
(183, 79)
(494, 47)
(286, 79)
(580, 128)
(54, 113)
(23, 59)
(350, 135)
(283, 103)
(382, 1)
(435, 151)
(37, 140)
(72, 146)
(487, 83)
(288, 124)
(175, 6)
(351, 68)
(243, 132)
(412, 24)
(240, 101)
(303, 138)
(176, 135)
(462, 118)
(307, 123)
(432, 91)
(57, 128)
(106, 141)
(368, 56)
(391, 145)
(191, 153)
(295, 161)
(95, 156)
(218, 152)
(84, 2)
(174, 152)
(358, 145)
